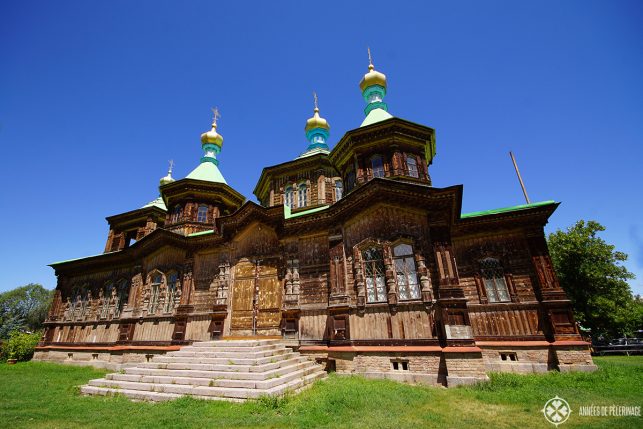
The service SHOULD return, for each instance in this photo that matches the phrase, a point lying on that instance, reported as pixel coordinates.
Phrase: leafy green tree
(23, 309)
(590, 272)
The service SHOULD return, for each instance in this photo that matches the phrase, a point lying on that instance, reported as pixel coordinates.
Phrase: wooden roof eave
(153, 241)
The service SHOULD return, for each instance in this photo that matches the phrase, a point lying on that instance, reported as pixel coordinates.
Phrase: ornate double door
(256, 298)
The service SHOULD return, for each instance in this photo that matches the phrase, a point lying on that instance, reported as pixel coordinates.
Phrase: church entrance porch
(256, 299)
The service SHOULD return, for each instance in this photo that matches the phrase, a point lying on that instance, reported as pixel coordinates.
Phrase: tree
(590, 272)
(23, 309)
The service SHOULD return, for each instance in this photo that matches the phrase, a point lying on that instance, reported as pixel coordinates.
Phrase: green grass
(41, 395)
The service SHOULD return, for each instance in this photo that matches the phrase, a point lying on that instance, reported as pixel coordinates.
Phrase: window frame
(338, 185)
(123, 296)
(107, 296)
(412, 290)
(415, 170)
(375, 271)
(170, 291)
(379, 167)
(288, 196)
(155, 291)
(176, 214)
(202, 213)
(302, 189)
(494, 281)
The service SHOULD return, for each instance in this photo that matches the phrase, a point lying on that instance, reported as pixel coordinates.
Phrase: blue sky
(96, 97)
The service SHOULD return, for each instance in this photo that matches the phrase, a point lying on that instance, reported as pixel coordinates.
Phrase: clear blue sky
(96, 97)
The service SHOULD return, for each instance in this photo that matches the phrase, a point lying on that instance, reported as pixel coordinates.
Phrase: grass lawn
(41, 395)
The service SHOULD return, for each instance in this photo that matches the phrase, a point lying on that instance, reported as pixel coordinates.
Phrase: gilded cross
(215, 115)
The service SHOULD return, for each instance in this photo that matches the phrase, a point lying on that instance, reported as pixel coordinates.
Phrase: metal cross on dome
(315, 97)
(215, 114)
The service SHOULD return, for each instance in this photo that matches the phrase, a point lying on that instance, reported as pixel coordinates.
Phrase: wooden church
(352, 259)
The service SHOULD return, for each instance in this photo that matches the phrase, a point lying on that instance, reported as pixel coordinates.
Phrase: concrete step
(183, 389)
(132, 394)
(217, 353)
(191, 373)
(231, 349)
(228, 370)
(222, 367)
(225, 361)
(271, 380)
(235, 343)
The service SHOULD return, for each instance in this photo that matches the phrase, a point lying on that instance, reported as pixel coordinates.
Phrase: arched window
(373, 261)
(339, 190)
(155, 290)
(302, 196)
(288, 195)
(493, 277)
(176, 214)
(407, 279)
(378, 166)
(412, 166)
(172, 281)
(202, 214)
(123, 297)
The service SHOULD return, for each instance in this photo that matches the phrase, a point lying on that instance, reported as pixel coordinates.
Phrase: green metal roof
(196, 234)
(158, 202)
(207, 171)
(376, 115)
(313, 152)
(506, 209)
(84, 257)
(288, 211)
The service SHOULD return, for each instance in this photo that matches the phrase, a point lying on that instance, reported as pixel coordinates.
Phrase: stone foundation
(574, 358)
(433, 365)
(112, 358)
(464, 366)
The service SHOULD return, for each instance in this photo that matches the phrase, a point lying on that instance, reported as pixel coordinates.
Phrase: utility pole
(522, 185)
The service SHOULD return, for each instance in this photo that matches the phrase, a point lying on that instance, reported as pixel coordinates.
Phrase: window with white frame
(123, 296)
(373, 261)
(412, 166)
(493, 277)
(302, 196)
(172, 281)
(406, 274)
(288, 196)
(202, 214)
(155, 290)
(339, 190)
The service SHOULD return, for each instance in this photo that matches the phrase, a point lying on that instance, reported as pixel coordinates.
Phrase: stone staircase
(221, 370)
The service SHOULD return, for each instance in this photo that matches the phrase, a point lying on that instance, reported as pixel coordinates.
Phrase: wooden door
(242, 296)
(256, 299)
(269, 301)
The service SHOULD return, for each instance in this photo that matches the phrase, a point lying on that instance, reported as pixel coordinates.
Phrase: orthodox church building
(352, 258)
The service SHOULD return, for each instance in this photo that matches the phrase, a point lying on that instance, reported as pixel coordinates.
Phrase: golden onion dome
(168, 178)
(317, 122)
(373, 77)
(212, 137)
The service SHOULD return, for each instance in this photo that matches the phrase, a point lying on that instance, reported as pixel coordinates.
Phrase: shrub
(20, 346)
